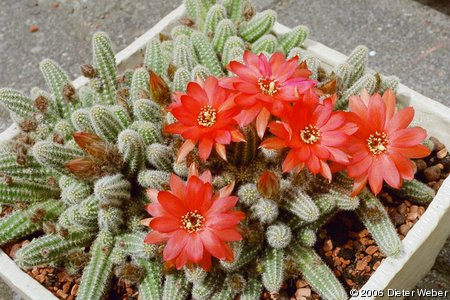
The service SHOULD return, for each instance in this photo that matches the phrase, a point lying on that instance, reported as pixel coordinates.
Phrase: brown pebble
(61, 294)
(328, 245)
(74, 290)
(363, 233)
(371, 250)
(376, 265)
(420, 164)
(40, 278)
(413, 209)
(66, 287)
(437, 144)
(432, 173)
(361, 265)
(404, 229)
(34, 28)
(71, 297)
(303, 292)
(437, 185)
(442, 153)
(367, 258)
(300, 283)
(402, 208)
(349, 282)
(412, 216)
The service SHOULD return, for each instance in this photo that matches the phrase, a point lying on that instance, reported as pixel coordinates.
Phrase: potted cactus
(209, 170)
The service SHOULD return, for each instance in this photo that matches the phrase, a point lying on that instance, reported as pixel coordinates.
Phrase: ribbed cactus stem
(367, 82)
(20, 106)
(81, 217)
(344, 74)
(149, 131)
(154, 58)
(104, 63)
(153, 179)
(196, 11)
(132, 148)
(278, 235)
(300, 204)
(98, 272)
(181, 79)
(388, 82)
(180, 30)
(147, 110)
(259, 25)
(247, 254)
(200, 73)
(183, 57)
(317, 273)
(273, 274)
(75, 192)
(265, 210)
(206, 54)
(195, 274)
(105, 123)
(224, 30)
(215, 14)
(151, 286)
(313, 64)
(252, 290)
(248, 194)
(230, 44)
(54, 156)
(113, 190)
(176, 287)
(87, 96)
(358, 60)
(56, 79)
(373, 215)
(133, 244)
(416, 191)
(306, 237)
(294, 38)
(25, 222)
(64, 129)
(81, 120)
(50, 248)
(140, 85)
(160, 156)
(111, 219)
(267, 43)
(122, 115)
(203, 290)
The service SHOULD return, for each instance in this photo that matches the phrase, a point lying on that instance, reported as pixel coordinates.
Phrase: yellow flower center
(192, 221)
(310, 134)
(269, 85)
(207, 116)
(378, 142)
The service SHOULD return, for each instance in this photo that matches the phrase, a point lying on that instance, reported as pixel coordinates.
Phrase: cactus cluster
(79, 168)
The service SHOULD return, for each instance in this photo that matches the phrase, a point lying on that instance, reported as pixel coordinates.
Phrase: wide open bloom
(205, 116)
(383, 144)
(314, 135)
(266, 86)
(194, 222)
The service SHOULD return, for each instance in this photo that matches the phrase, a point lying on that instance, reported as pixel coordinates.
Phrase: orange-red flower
(266, 86)
(205, 116)
(383, 144)
(314, 134)
(194, 222)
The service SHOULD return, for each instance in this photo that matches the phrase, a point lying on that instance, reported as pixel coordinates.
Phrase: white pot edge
(420, 246)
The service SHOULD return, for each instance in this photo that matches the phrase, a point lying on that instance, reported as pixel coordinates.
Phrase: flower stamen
(207, 116)
(269, 85)
(192, 222)
(310, 134)
(378, 142)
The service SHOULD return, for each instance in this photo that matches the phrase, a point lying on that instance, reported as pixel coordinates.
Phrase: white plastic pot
(423, 241)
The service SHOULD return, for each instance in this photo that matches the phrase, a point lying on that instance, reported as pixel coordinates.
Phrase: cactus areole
(234, 140)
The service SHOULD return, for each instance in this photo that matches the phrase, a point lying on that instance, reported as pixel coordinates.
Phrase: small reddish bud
(88, 71)
(83, 167)
(69, 92)
(91, 143)
(159, 89)
(41, 103)
(269, 185)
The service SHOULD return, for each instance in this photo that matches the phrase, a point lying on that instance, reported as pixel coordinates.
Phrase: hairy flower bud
(88, 71)
(269, 185)
(159, 89)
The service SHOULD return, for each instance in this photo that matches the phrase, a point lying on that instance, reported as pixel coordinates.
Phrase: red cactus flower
(314, 134)
(194, 222)
(205, 116)
(383, 144)
(266, 86)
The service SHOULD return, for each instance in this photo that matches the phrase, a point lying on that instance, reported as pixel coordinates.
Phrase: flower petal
(165, 224)
(212, 244)
(175, 244)
(172, 204)
(194, 248)
(407, 137)
(155, 237)
(390, 172)
(261, 122)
